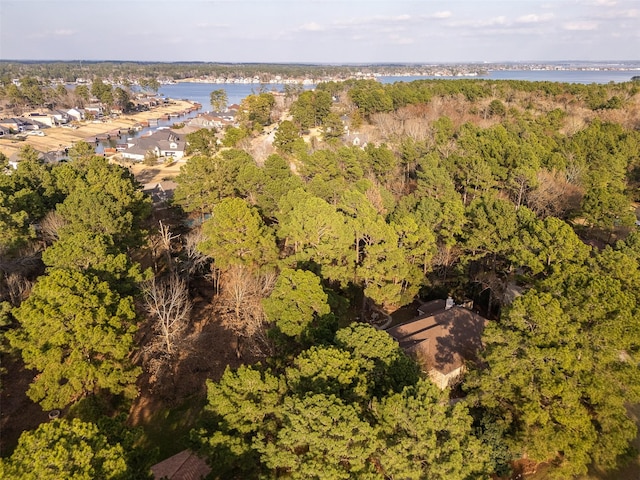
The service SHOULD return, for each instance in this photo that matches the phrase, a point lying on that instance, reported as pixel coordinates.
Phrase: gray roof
(162, 139)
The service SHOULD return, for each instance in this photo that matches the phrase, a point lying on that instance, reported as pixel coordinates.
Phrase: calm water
(565, 76)
(199, 92)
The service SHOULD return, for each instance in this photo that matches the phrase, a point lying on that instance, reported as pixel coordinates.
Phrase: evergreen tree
(65, 449)
(78, 333)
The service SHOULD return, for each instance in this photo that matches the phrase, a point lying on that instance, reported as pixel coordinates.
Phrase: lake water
(199, 92)
(564, 76)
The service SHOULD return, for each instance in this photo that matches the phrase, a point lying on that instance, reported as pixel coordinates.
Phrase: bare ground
(17, 411)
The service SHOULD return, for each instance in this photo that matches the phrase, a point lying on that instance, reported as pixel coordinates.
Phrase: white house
(76, 114)
(95, 109)
(163, 143)
(60, 116)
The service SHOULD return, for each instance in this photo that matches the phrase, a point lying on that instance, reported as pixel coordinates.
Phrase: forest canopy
(517, 197)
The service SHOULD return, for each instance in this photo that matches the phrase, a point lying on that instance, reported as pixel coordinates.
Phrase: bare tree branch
(50, 225)
(193, 260)
(241, 302)
(169, 305)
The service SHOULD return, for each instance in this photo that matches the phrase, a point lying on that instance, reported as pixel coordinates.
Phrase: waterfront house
(208, 120)
(162, 143)
(41, 119)
(185, 465)
(61, 117)
(76, 114)
(14, 125)
(94, 109)
(160, 192)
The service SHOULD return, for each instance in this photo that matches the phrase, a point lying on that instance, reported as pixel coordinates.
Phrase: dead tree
(241, 302)
(169, 308)
(50, 225)
(166, 238)
(193, 260)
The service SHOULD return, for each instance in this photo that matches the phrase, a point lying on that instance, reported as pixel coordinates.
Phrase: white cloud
(604, 3)
(311, 27)
(63, 32)
(373, 21)
(481, 23)
(534, 18)
(439, 15)
(580, 26)
(618, 14)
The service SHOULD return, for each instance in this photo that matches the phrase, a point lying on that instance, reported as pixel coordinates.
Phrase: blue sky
(327, 31)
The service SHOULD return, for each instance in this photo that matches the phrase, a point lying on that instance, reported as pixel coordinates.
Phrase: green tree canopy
(286, 137)
(204, 181)
(81, 152)
(316, 232)
(320, 437)
(72, 450)
(218, 99)
(255, 110)
(95, 254)
(106, 200)
(236, 235)
(423, 436)
(202, 142)
(78, 333)
(324, 418)
(295, 301)
(556, 371)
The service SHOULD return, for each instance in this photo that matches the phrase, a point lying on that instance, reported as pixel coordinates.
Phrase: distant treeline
(70, 71)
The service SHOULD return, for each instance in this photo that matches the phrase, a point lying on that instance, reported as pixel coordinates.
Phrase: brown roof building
(442, 340)
(182, 466)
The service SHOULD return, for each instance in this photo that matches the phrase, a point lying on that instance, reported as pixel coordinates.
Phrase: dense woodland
(371, 196)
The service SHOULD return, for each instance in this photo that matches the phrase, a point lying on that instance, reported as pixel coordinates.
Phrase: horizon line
(334, 64)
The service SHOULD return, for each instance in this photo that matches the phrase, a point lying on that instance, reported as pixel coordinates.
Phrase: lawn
(168, 428)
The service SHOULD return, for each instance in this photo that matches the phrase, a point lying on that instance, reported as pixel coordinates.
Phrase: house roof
(161, 139)
(182, 466)
(443, 339)
(160, 192)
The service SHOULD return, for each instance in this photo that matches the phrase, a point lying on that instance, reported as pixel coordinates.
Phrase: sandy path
(57, 138)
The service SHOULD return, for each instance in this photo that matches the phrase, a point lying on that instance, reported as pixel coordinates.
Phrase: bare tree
(169, 307)
(387, 124)
(193, 260)
(50, 225)
(166, 239)
(556, 193)
(17, 286)
(416, 128)
(241, 305)
(161, 243)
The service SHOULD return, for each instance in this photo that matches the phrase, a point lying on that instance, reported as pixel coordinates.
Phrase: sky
(320, 31)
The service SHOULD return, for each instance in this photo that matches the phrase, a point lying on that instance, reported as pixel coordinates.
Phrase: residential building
(442, 339)
(76, 114)
(163, 143)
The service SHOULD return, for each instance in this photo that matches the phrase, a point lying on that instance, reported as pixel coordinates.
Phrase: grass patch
(168, 428)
